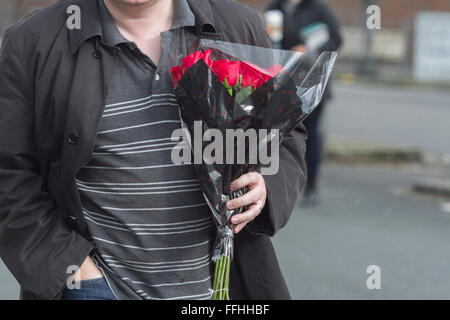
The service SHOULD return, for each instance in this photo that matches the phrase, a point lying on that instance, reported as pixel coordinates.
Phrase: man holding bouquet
(86, 179)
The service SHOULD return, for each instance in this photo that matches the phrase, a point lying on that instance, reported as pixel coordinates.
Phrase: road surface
(368, 217)
(406, 117)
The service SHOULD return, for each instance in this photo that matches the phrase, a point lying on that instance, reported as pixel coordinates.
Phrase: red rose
(188, 61)
(177, 73)
(207, 58)
(256, 67)
(226, 69)
(251, 77)
(275, 70)
(255, 76)
(272, 72)
(191, 59)
(245, 74)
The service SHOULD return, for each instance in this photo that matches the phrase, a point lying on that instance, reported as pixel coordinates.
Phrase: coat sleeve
(35, 243)
(285, 187)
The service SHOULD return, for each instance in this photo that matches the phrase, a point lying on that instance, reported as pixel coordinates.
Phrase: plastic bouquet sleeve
(223, 86)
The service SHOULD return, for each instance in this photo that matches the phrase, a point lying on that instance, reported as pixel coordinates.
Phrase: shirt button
(74, 138)
(157, 77)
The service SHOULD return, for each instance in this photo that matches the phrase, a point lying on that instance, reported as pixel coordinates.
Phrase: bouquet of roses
(222, 86)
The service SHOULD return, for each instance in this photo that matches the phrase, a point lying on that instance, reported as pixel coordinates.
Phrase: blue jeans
(92, 289)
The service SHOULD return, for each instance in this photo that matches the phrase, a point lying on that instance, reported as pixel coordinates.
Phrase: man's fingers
(247, 199)
(239, 227)
(247, 216)
(244, 180)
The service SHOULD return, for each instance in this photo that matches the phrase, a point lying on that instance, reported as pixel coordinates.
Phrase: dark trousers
(314, 146)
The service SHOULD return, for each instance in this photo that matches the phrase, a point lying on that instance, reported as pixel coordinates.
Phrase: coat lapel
(87, 99)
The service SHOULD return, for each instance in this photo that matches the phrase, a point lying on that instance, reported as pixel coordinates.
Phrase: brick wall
(394, 12)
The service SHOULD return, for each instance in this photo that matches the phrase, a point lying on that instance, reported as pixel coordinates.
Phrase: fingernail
(229, 205)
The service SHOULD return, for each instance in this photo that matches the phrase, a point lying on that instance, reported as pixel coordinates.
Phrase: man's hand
(88, 270)
(255, 199)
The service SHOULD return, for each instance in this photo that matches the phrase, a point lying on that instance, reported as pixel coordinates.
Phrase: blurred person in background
(309, 26)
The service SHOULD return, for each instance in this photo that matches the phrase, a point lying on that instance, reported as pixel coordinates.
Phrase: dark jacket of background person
(53, 85)
(306, 13)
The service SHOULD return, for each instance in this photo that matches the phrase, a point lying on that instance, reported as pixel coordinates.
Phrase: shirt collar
(92, 27)
(182, 17)
(111, 34)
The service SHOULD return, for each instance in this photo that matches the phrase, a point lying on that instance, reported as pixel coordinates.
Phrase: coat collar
(204, 17)
(91, 25)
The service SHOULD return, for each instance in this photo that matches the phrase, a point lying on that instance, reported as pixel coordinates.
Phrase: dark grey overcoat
(53, 86)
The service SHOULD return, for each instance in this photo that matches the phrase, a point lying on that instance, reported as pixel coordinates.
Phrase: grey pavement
(399, 116)
(368, 217)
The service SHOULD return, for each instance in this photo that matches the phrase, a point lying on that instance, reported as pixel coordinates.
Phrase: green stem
(227, 279)
(216, 271)
(222, 279)
(216, 280)
(221, 283)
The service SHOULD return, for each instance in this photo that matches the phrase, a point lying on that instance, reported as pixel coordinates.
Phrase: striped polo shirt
(151, 227)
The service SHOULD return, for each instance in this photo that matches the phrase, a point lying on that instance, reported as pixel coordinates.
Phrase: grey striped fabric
(152, 229)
